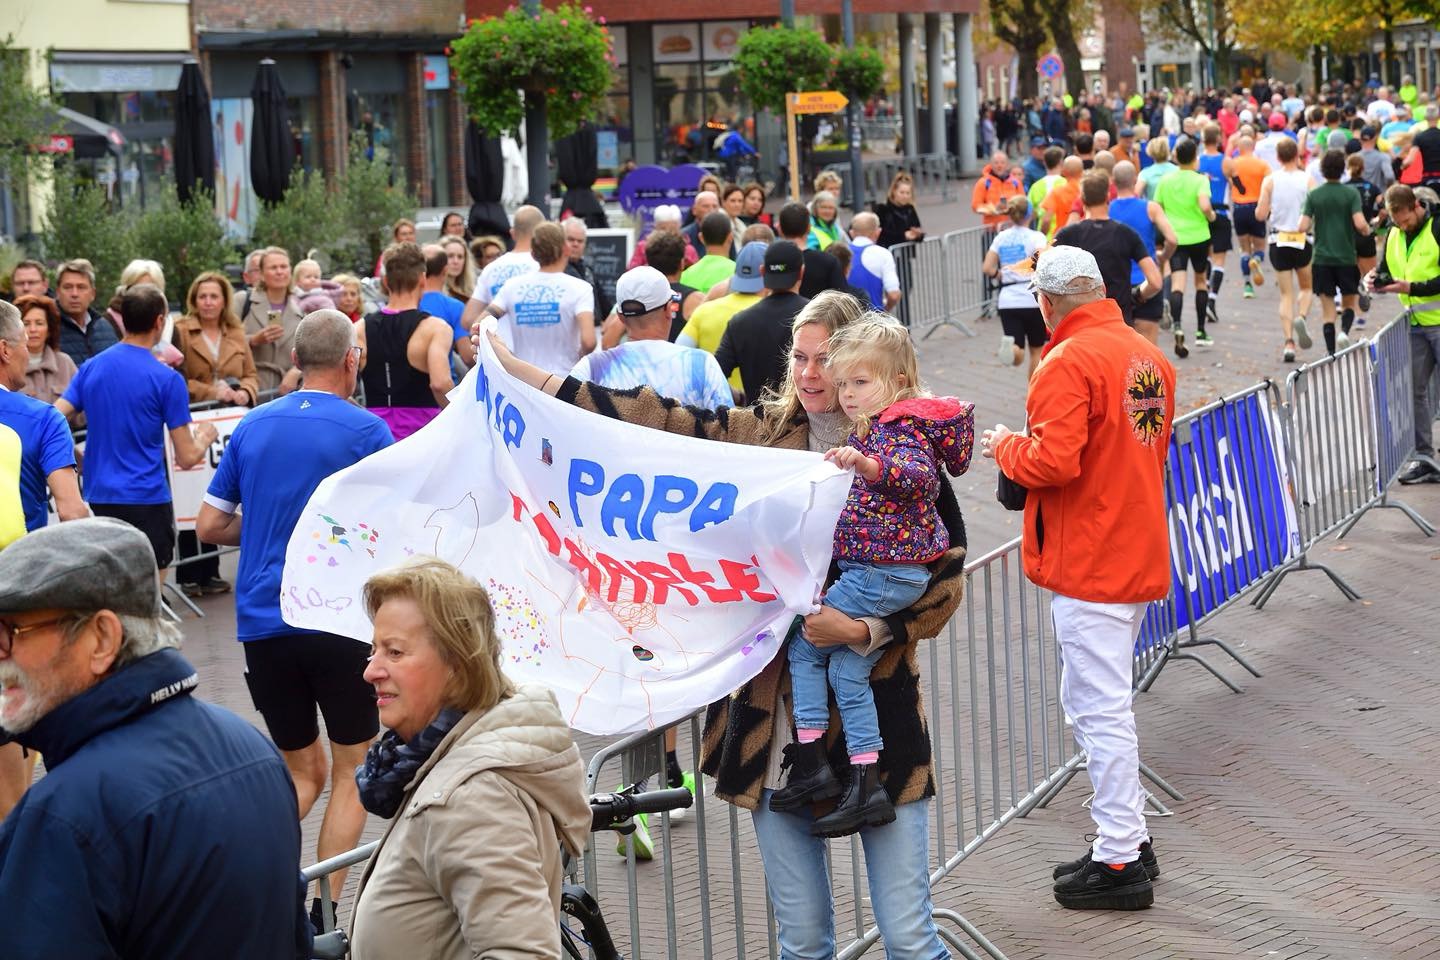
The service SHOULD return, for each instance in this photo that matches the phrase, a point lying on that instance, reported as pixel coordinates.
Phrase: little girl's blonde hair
(882, 345)
(309, 265)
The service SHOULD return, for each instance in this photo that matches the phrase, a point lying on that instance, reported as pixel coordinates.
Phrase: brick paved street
(1311, 826)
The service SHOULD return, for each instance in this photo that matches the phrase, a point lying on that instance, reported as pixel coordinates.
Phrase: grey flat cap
(93, 564)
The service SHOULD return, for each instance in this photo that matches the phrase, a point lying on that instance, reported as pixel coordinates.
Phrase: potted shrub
(561, 54)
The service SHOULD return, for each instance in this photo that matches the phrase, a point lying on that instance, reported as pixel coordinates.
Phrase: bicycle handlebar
(609, 810)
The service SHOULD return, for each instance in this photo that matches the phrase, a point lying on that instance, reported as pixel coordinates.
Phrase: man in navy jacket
(165, 826)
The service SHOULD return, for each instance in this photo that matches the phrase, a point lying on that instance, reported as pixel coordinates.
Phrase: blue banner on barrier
(1391, 353)
(1231, 509)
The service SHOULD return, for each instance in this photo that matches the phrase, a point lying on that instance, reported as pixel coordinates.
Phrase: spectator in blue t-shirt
(130, 400)
(276, 458)
(436, 302)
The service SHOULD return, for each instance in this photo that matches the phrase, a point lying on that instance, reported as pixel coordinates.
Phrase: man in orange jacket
(1100, 409)
(998, 183)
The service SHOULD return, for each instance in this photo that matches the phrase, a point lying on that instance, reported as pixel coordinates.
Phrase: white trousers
(1097, 643)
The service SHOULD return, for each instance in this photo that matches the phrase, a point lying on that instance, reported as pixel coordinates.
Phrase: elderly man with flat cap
(165, 826)
(1100, 409)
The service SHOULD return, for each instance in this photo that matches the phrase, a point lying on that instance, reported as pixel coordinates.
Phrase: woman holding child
(749, 740)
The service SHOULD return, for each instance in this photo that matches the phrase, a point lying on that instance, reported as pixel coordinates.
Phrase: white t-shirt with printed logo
(539, 314)
(502, 268)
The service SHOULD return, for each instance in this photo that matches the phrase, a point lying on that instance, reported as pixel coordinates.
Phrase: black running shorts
(292, 674)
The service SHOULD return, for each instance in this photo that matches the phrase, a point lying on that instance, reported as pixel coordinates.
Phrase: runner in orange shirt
(1055, 212)
(1247, 172)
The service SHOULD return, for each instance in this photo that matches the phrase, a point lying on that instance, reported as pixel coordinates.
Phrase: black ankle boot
(865, 804)
(811, 778)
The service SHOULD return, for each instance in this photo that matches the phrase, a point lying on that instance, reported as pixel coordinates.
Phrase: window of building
(697, 93)
(138, 99)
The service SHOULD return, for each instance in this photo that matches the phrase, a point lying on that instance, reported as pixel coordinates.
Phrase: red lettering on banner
(740, 582)
(584, 566)
(617, 571)
(740, 577)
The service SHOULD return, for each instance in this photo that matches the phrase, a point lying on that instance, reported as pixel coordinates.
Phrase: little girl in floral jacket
(890, 528)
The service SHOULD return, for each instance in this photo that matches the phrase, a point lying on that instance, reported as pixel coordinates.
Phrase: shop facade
(676, 89)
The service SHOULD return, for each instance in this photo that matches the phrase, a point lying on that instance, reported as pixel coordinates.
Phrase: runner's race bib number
(1294, 239)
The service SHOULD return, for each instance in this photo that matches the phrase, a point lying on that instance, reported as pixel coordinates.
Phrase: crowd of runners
(1294, 187)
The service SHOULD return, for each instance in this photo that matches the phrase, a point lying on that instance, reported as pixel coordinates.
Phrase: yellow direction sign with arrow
(810, 101)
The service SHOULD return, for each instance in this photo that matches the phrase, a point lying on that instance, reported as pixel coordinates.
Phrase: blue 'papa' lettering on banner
(503, 416)
(628, 503)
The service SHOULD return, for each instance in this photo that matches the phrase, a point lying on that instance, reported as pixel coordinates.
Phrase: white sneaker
(1006, 351)
(1302, 334)
(1342, 340)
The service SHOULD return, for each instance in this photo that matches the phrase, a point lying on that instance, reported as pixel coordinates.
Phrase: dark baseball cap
(1039, 142)
(783, 262)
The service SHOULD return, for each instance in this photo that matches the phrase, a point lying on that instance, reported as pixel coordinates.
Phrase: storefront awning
(82, 137)
(317, 40)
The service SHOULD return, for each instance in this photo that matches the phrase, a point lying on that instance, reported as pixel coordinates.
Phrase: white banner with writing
(640, 575)
(188, 486)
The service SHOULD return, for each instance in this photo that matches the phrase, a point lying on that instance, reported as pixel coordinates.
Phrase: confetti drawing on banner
(639, 575)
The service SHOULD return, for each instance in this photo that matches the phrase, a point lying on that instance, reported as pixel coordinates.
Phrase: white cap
(1064, 271)
(1246, 116)
(666, 213)
(640, 291)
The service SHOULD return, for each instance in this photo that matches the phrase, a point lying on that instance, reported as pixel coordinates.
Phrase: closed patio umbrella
(194, 138)
(577, 159)
(485, 179)
(272, 149)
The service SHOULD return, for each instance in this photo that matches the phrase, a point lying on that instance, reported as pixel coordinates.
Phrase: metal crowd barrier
(1335, 438)
(1394, 419)
(941, 281)
(932, 173)
(1001, 746)
(1225, 488)
(880, 131)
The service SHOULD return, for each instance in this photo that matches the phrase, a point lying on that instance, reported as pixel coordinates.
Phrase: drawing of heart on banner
(639, 575)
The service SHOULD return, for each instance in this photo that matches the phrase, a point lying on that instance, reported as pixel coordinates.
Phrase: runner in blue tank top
(1217, 168)
(1146, 218)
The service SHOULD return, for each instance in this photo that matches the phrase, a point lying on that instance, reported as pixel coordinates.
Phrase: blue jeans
(897, 864)
(1424, 357)
(862, 590)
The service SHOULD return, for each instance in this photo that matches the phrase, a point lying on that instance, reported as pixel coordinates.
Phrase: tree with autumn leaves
(1341, 25)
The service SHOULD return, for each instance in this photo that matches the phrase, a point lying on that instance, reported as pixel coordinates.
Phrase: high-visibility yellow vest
(1416, 260)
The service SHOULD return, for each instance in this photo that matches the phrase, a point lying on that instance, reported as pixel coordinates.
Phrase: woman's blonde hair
(1158, 150)
(227, 310)
(881, 345)
(349, 281)
(136, 269)
(463, 285)
(832, 309)
(899, 178)
(825, 178)
(457, 612)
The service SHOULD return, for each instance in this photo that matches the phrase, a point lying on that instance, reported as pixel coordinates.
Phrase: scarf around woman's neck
(391, 764)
